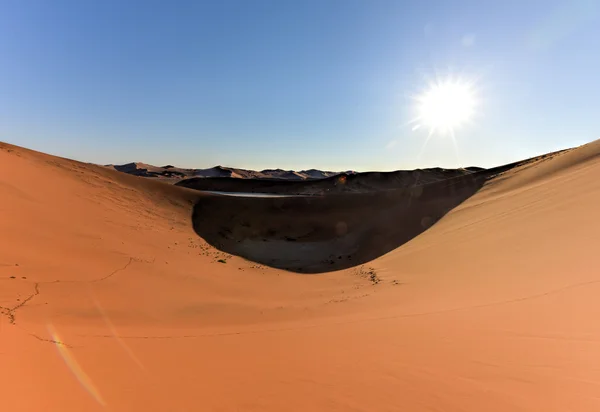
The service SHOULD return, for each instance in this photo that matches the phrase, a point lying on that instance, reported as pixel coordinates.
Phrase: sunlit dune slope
(110, 299)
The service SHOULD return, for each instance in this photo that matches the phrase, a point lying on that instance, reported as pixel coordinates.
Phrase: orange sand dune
(110, 300)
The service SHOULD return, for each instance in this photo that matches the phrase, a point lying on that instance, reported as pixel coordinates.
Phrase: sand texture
(475, 293)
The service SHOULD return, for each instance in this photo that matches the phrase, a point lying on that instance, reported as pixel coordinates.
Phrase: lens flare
(115, 334)
(84, 380)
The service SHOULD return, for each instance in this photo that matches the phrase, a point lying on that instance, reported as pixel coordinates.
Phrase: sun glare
(445, 106)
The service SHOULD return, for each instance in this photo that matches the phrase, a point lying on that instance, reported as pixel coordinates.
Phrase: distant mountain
(174, 174)
(347, 182)
(312, 181)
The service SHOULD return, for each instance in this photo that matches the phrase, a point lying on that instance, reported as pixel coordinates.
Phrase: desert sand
(479, 293)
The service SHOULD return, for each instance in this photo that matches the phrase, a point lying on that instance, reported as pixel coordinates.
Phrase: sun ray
(431, 131)
(416, 119)
(455, 144)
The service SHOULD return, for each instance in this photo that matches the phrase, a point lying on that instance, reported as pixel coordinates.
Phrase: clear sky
(295, 84)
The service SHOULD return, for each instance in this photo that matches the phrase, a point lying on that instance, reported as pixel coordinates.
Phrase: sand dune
(340, 183)
(474, 293)
(329, 232)
(338, 230)
(172, 174)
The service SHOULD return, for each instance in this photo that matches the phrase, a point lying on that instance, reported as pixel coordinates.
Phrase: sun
(446, 105)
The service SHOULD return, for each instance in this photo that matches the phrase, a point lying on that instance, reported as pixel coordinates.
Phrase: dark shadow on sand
(319, 234)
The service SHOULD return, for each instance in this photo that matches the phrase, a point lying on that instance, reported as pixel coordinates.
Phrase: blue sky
(295, 84)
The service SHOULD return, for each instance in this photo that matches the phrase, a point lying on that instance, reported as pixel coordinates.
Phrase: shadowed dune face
(326, 233)
(317, 234)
